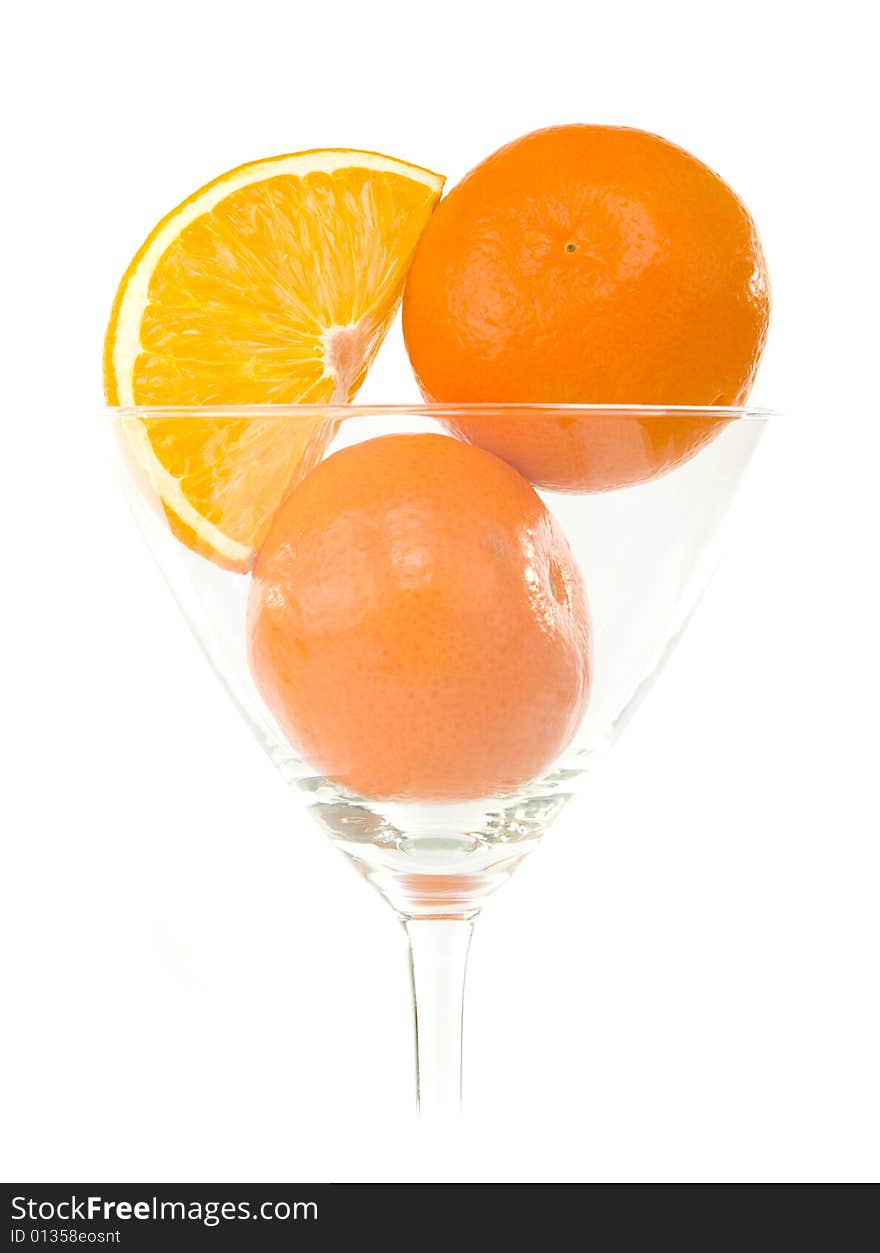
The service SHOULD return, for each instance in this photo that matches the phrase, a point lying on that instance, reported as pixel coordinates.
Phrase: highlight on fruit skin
(418, 624)
(273, 284)
(588, 265)
(589, 451)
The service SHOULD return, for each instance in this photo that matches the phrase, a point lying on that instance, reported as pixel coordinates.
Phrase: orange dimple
(588, 265)
(418, 624)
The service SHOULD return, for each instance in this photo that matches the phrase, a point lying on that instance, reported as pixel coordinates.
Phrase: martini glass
(645, 547)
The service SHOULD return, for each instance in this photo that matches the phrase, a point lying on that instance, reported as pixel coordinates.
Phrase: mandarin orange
(588, 265)
(588, 450)
(418, 624)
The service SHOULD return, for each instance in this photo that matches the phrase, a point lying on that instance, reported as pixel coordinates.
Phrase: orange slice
(273, 284)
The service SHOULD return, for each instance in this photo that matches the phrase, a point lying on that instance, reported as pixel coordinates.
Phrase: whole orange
(588, 265)
(418, 624)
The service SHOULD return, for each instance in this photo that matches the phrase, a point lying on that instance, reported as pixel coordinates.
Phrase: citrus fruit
(273, 284)
(586, 450)
(417, 622)
(587, 265)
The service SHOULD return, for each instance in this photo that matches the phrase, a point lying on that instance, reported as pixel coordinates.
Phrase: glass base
(435, 861)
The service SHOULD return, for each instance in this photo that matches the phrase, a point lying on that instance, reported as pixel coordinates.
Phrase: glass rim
(441, 410)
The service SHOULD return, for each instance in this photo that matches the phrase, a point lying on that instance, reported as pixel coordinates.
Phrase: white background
(682, 983)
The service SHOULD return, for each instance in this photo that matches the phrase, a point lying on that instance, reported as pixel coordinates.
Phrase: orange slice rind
(274, 284)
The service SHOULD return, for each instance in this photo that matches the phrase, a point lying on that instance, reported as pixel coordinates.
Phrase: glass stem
(438, 949)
